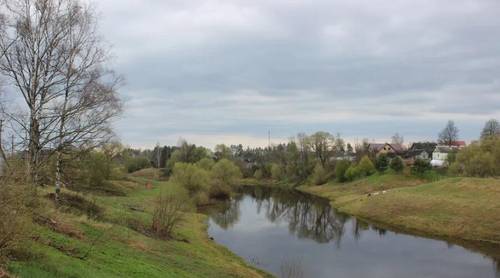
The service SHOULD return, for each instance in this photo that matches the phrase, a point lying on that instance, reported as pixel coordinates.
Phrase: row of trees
(314, 158)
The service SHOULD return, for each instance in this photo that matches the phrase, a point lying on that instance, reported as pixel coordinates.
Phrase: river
(293, 235)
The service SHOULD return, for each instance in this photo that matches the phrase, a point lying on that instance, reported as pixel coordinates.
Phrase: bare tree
(491, 129)
(56, 61)
(89, 100)
(321, 144)
(449, 134)
(397, 139)
(31, 61)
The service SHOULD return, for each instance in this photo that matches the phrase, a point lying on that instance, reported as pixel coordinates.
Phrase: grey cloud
(226, 67)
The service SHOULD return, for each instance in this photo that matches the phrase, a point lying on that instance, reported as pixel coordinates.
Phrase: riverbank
(464, 209)
(66, 243)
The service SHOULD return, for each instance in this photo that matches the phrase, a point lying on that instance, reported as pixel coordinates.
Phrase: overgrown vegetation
(481, 159)
(14, 215)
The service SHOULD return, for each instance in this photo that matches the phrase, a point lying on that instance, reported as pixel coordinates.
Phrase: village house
(440, 156)
(386, 148)
(420, 150)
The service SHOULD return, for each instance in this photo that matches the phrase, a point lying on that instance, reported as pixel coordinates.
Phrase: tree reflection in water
(307, 216)
(226, 214)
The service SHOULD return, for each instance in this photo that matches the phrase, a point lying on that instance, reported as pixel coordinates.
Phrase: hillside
(463, 209)
(66, 243)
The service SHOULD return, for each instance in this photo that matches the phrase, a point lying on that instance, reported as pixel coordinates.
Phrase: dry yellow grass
(462, 208)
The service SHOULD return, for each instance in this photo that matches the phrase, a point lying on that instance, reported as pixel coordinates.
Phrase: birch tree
(56, 61)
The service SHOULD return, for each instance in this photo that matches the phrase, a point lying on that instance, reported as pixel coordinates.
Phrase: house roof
(398, 148)
(376, 146)
(413, 153)
(458, 144)
(443, 149)
(427, 146)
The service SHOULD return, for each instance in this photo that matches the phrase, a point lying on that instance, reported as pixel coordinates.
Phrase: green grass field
(71, 245)
(464, 209)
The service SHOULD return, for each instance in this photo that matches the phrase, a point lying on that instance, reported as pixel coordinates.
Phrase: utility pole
(269, 138)
(158, 155)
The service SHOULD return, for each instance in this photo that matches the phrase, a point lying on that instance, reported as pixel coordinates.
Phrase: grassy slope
(464, 208)
(114, 250)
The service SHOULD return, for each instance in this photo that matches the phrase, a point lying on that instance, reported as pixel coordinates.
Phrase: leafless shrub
(169, 211)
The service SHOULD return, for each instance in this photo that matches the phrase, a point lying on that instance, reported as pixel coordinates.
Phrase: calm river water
(291, 234)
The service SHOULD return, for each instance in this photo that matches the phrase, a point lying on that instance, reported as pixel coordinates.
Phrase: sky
(229, 71)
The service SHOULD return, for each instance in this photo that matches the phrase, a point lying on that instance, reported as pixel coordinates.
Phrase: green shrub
(225, 176)
(479, 159)
(276, 172)
(366, 167)
(481, 165)
(341, 170)
(382, 162)
(136, 164)
(351, 173)
(420, 166)
(258, 174)
(319, 175)
(92, 170)
(397, 164)
(191, 177)
(206, 164)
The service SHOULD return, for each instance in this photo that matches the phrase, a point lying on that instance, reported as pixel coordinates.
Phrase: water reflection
(275, 229)
(307, 217)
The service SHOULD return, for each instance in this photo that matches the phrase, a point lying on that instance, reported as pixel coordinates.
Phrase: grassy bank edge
(48, 261)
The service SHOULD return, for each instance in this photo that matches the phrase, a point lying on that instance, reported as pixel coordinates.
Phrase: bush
(225, 175)
(352, 173)
(366, 167)
(258, 174)
(481, 165)
(420, 166)
(479, 159)
(169, 211)
(190, 177)
(276, 172)
(206, 164)
(93, 170)
(341, 170)
(319, 175)
(382, 162)
(136, 164)
(397, 164)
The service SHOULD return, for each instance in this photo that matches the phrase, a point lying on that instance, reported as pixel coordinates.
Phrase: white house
(440, 156)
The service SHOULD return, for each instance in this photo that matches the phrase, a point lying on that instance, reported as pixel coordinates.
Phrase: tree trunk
(60, 145)
(34, 151)
(58, 175)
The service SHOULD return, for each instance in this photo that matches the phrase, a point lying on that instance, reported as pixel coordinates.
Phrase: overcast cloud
(228, 71)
